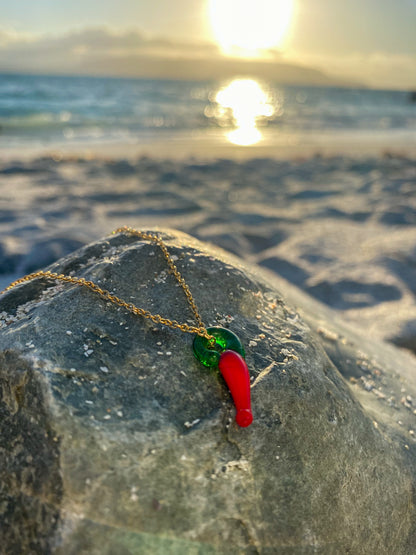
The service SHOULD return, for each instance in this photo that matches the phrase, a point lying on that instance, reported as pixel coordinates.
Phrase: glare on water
(245, 103)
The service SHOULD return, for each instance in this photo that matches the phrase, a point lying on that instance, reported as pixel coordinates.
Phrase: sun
(246, 27)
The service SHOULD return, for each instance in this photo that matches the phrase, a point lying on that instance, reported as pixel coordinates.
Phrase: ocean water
(54, 109)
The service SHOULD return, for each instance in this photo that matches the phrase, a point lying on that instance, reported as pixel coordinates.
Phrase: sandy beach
(340, 227)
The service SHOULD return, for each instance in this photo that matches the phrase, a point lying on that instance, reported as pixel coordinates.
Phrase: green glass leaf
(209, 355)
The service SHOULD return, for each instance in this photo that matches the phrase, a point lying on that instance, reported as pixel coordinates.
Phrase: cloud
(102, 51)
(80, 48)
(131, 53)
(365, 26)
(375, 69)
(9, 37)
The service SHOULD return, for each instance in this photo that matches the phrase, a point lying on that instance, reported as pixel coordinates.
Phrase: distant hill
(208, 69)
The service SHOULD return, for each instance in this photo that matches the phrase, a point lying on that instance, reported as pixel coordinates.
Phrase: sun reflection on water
(242, 104)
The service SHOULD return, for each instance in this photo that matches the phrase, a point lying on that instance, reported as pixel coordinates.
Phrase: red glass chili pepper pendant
(228, 355)
(235, 372)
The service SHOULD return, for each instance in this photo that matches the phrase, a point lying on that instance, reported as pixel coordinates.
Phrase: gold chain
(200, 329)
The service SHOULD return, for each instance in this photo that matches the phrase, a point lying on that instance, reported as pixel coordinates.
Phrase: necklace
(214, 347)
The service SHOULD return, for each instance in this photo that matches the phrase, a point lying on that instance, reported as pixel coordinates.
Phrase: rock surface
(115, 440)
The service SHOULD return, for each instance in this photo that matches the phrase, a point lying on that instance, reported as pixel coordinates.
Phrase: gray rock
(115, 440)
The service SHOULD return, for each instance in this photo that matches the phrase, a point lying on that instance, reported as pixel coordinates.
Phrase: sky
(368, 42)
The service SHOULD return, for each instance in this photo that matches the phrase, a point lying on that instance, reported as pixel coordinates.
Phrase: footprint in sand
(345, 294)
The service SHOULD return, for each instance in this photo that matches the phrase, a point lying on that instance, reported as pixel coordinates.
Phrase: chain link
(200, 329)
